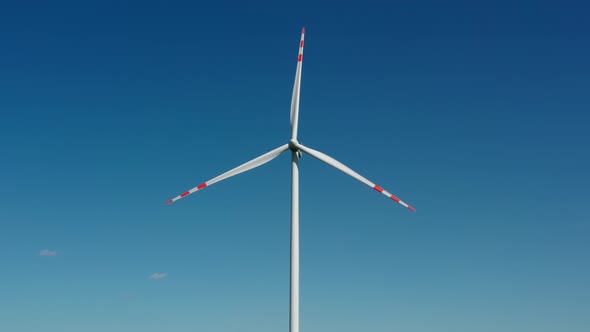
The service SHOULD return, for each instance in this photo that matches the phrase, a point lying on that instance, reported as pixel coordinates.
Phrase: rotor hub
(293, 145)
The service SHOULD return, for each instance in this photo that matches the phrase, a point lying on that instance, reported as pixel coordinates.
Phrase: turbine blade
(345, 169)
(296, 87)
(240, 169)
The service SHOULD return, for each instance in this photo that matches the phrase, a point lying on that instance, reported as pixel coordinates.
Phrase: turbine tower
(296, 149)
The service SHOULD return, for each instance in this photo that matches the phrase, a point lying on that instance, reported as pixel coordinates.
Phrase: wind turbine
(296, 149)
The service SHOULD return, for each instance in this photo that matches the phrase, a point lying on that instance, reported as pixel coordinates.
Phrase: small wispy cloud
(158, 276)
(47, 252)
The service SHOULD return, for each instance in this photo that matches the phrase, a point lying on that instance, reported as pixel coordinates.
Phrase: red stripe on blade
(170, 201)
(300, 58)
(201, 186)
(301, 44)
(394, 198)
(379, 189)
(303, 30)
(184, 194)
(411, 208)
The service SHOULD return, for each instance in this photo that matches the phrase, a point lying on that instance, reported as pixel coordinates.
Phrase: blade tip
(303, 30)
(411, 209)
(170, 201)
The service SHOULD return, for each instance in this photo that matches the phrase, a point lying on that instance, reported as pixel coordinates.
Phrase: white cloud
(47, 252)
(158, 276)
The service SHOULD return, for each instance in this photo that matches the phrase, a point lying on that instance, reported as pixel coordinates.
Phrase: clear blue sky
(475, 114)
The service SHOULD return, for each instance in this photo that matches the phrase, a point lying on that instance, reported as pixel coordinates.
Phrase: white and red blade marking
(386, 193)
(235, 171)
(345, 169)
(186, 193)
(296, 88)
(301, 42)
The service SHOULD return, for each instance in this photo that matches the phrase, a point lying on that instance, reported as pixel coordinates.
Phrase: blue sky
(475, 114)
